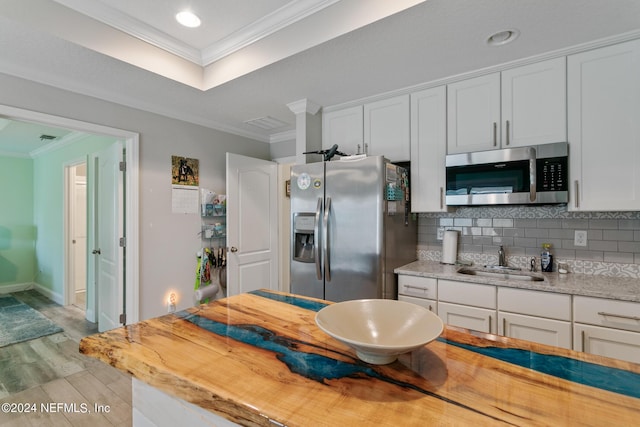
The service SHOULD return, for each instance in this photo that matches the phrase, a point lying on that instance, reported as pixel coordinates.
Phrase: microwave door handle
(316, 239)
(325, 241)
(532, 174)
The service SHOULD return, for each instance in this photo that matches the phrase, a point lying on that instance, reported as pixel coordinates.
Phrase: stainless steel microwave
(511, 176)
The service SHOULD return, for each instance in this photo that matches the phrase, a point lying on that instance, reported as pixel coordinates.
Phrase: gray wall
(168, 242)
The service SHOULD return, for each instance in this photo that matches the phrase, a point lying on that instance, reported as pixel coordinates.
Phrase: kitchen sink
(502, 274)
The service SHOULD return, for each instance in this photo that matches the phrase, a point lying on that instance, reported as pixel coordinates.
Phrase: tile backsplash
(613, 238)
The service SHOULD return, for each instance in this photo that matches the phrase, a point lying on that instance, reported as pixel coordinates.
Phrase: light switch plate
(440, 234)
(580, 238)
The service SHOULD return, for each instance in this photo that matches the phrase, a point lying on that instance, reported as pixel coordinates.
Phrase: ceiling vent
(267, 123)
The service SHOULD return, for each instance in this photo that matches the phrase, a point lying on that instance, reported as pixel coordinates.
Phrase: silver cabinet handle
(490, 322)
(325, 242)
(577, 195)
(619, 316)
(441, 198)
(234, 249)
(504, 326)
(495, 134)
(316, 239)
(508, 132)
(416, 287)
(584, 338)
(532, 174)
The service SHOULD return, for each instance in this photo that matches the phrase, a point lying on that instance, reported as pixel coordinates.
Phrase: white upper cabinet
(604, 128)
(518, 107)
(534, 104)
(473, 111)
(343, 127)
(428, 149)
(386, 128)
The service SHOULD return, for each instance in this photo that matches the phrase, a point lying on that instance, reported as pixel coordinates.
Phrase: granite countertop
(618, 288)
(258, 359)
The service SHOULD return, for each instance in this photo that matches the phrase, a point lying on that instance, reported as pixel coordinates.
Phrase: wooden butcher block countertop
(259, 357)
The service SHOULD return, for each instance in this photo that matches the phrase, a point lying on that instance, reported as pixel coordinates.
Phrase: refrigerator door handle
(316, 239)
(325, 241)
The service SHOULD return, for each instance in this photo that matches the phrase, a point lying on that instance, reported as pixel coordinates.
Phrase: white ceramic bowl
(379, 329)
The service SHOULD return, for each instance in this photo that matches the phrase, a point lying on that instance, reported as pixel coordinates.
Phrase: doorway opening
(76, 197)
(57, 289)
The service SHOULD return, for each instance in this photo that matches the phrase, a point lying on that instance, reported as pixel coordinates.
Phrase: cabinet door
(603, 128)
(421, 287)
(607, 342)
(465, 293)
(478, 319)
(428, 149)
(534, 303)
(534, 104)
(343, 127)
(386, 128)
(473, 114)
(429, 304)
(536, 329)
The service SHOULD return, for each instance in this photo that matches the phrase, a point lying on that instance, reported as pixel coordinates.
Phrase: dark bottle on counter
(546, 259)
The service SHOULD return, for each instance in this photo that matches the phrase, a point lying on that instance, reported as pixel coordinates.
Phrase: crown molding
(263, 27)
(304, 106)
(289, 135)
(14, 155)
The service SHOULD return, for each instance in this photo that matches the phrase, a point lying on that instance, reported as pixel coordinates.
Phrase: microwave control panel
(552, 174)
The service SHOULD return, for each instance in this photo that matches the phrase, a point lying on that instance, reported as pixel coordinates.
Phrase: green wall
(17, 230)
(48, 205)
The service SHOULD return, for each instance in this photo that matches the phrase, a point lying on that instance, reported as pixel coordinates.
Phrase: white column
(308, 130)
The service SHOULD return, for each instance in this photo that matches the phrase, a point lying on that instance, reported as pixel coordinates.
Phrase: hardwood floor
(49, 375)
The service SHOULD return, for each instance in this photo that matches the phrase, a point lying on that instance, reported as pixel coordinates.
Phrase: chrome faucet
(502, 261)
(533, 264)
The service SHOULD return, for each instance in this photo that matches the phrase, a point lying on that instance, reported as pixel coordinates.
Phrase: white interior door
(109, 226)
(252, 224)
(79, 239)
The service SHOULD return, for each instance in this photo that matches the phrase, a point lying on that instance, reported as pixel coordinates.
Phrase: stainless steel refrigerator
(351, 226)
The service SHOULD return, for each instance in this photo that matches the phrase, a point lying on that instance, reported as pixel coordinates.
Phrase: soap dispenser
(546, 259)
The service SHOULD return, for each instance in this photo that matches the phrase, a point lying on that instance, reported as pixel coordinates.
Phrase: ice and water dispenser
(303, 232)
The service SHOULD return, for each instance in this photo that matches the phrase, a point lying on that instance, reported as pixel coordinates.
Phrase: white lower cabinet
(541, 317)
(536, 329)
(464, 316)
(623, 345)
(607, 327)
(467, 305)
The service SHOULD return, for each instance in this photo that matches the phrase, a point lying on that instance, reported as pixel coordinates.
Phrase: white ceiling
(251, 58)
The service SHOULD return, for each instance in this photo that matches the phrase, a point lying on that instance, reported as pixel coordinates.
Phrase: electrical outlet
(580, 238)
(440, 234)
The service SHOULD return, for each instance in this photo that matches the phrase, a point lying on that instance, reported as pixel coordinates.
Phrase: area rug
(19, 322)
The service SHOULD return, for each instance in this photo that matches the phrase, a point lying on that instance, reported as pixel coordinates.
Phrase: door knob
(96, 252)
(234, 249)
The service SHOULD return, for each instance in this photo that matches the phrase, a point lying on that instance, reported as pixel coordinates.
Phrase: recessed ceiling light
(188, 19)
(502, 37)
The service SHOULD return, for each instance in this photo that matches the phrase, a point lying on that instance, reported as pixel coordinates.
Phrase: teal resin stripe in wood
(292, 300)
(590, 374)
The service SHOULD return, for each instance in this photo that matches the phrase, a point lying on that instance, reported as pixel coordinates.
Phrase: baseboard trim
(16, 287)
(53, 296)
